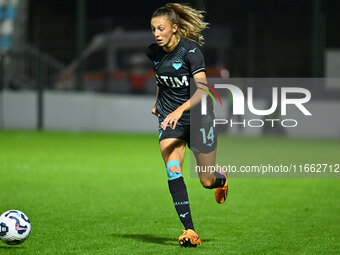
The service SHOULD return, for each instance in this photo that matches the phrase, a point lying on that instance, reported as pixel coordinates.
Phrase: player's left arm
(196, 98)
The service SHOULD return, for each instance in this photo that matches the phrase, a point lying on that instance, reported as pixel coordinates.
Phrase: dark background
(276, 35)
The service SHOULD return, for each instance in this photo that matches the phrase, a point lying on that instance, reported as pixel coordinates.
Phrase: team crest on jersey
(177, 64)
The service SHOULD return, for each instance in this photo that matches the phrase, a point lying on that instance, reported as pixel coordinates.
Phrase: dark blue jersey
(173, 71)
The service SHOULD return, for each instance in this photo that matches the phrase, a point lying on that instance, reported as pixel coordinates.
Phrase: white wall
(324, 122)
(74, 111)
(93, 112)
(19, 110)
(332, 68)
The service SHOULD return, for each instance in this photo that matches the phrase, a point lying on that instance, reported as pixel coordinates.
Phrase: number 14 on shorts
(209, 136)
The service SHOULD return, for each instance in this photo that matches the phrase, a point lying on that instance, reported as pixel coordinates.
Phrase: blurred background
(68, 67)
(81, 65)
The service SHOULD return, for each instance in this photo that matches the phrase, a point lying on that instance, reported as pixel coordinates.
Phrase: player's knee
(173, 170)
(207, 182)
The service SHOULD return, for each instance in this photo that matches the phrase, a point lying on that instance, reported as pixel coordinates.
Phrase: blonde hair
(190, 21)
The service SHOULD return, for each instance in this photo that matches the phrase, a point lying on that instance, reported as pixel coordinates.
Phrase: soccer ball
(15, 227)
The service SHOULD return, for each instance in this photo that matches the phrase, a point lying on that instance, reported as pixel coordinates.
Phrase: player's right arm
(154, 109)
(150, 53)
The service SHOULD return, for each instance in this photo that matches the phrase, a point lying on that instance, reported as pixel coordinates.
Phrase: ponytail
(190, 21)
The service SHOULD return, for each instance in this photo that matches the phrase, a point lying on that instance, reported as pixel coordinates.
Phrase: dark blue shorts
(202, 138)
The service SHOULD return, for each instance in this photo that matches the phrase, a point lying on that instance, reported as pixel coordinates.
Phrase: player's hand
(172, 119)
(154, 111)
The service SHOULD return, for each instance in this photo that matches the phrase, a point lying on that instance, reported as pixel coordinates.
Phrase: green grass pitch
(102, 193)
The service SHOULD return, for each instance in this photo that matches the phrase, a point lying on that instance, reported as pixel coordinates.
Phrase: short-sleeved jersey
(173, 71)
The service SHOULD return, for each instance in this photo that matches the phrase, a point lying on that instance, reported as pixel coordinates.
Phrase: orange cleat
(189, 238)
(221, 193)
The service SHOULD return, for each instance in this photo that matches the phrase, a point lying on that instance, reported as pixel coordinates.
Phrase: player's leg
(173, 151)
(204, 161)
(204, 143)
(212, 179)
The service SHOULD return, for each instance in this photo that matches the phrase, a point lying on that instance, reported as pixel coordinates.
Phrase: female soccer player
(176, 58)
